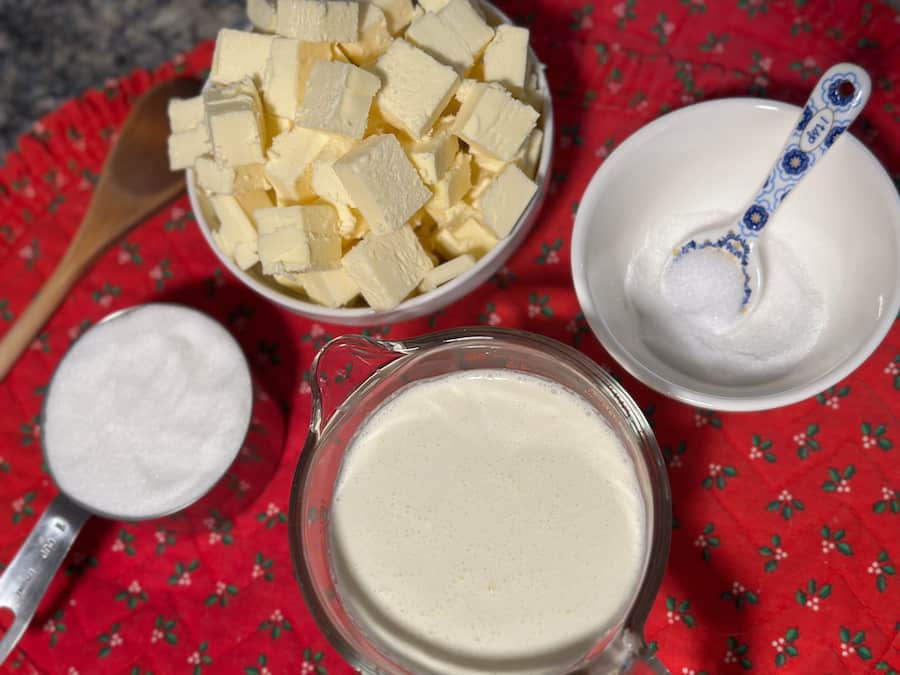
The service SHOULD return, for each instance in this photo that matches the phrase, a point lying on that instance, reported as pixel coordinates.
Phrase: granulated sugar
(147, 411)
(705, 287)
(777, 333)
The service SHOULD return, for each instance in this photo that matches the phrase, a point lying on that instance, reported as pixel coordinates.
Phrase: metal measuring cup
(30, 572)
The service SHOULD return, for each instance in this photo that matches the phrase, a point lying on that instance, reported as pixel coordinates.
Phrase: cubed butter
(239, 54)
(399, 13)
(506, 57)
(382, 182)
(434, 154)
(387, 267)
(447, 272)
(250, 178)
(493, 122)
(449, 217)
(318, 20)
(529, 156)
(186, 146)
(332, 288)
(287, 71)
(433, 5)
(505, 199)
(213, 177)
(470, 237)
(456, 34)
(298, 238)
(337, 99)
(455, 183)
(415, 88)
(236, 125)
(374, 36)
(185, 113)
(290, 160)
(262, 15)
(325, 182)
(236, 235)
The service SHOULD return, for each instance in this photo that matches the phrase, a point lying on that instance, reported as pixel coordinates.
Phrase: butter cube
(455, 183)
(338, 97)
(506, 57)
(262, 15)
(298, 238)
(186, 146)
(213, 177)
(505, 200)
(332, 288)
(374, 36)
(529, 156)
(415, 88)
(287, 71)
(456, 34)
(387, 267)
(290, 159)
(250, 178)
(493, 122)
(318, 20)
(325, 182)
(239, 54)
(399, 13)
(236, 235)
(253, 201)
(447, 272)
(449, 217)
(434, 154)
(236, 125)
(185, 113)
(470, 237)
(382, 182)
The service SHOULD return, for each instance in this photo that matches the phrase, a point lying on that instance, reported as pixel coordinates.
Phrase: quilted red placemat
(787, 536)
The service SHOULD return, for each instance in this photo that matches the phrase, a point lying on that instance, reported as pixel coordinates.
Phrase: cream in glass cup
(357, 382)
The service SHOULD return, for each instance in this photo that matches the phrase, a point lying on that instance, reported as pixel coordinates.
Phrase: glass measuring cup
(353, 375)
(28, 575)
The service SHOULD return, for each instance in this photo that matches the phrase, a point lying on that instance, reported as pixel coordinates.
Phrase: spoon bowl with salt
(716, 276)
(142, 417)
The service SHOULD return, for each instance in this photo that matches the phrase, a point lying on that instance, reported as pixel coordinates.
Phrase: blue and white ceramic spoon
(838, 97)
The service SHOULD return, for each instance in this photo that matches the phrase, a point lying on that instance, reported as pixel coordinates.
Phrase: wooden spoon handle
(26, 327)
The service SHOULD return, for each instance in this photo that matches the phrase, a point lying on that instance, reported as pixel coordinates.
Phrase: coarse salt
(696, 326)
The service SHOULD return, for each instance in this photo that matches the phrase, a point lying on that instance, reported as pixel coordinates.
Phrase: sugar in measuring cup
(142, 417)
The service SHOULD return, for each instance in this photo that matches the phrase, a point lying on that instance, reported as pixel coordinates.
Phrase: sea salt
(146, 412)
(690, 315)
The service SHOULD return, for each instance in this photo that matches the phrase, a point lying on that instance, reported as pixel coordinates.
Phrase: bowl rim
(664, 385)
(443, 295)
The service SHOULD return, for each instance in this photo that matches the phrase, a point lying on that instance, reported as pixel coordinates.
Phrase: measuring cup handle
(27, 577)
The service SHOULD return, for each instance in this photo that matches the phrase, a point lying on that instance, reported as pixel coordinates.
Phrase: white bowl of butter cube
(371, 162)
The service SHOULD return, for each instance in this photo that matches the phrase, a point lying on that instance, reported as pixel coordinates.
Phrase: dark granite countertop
(52, 50)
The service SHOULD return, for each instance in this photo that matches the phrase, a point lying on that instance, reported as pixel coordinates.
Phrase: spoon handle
(27, 577)
(838, 97)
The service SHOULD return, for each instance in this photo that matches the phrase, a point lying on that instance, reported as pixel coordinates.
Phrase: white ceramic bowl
(843, 222)
(425, 303)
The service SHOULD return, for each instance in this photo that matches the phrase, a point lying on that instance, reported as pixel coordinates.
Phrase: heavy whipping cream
(486, 521)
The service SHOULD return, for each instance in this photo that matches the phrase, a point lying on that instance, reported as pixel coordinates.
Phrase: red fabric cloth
(786, 543)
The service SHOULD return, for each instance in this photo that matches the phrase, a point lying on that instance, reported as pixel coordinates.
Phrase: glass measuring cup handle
(341, 366)
(629, 654)
(27, 577)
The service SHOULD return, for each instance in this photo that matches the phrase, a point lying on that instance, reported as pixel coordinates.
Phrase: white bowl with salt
(830, 259)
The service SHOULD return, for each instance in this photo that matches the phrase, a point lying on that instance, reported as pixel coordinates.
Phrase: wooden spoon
(135, 182)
